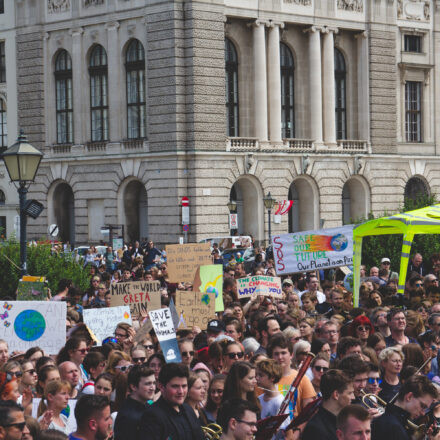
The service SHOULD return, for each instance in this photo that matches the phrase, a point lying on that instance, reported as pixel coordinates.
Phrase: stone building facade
(137, 103)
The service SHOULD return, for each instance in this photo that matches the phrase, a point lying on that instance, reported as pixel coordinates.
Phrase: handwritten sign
(141, 296)
(210, 279)
(184, 259)
(26, 324)
(259, 285)
(31, 291)
(164, 329)
(312, 250)
(102, 322)
(197, 307)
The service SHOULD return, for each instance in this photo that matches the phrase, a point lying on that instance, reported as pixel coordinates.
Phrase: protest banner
(141, 296)
(26, 324)
(210, 279)
(184, 259)
(312, 250)
(102, 322)
(32, 291)
(166, 334)
(197, 307)
(259, 285)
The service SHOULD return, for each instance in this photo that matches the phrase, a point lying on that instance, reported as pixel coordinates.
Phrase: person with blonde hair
(391, 363)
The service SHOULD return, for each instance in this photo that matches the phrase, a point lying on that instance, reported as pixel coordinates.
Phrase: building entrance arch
(62, 211)
(304, 214)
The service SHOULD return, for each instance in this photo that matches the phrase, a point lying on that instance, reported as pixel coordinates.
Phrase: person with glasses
(149, 346)
(125, 334)
(215, 394)
(12, 420)
(118, 362)
(415, 397)
(374, 381)
(385, 264)
(397, 323)
(232, 352)
(319, 365)
(238, 419)
(361, 328)
(186, 347)
(75, 351)
(29, 378)
(138, 354)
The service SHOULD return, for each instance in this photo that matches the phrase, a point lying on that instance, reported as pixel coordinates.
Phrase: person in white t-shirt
(312, 285)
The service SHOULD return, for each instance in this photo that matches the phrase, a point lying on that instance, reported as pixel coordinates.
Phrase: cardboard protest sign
(197, 307)
(31, 291)
(164, 329)
(210, 279)
(102, 322)
(312, 250)
(143, 332)
(141, 296)
(26, 324)
(184, 259)
(259, 285)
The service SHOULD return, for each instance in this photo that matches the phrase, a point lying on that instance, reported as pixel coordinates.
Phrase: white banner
(312, 250)
(26, 324)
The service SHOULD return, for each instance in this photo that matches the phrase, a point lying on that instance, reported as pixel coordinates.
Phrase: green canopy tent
(420, 221)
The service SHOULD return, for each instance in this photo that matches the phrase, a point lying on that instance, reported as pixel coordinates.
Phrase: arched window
(64, 105)
(3, 126)
(340, 89)
(287, 92)
(98, 94)
(2, 198)
(231, 67)
(136, 106)
(416, 188)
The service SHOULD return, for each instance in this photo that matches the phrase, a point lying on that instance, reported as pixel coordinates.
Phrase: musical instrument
(370, 400)
(212, 431)
(306, 414)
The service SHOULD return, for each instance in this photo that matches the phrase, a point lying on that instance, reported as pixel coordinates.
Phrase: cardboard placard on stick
(184, 259)
(259, 285)
(210, 279)
(198, 308)
(143, 331)
(141, 296)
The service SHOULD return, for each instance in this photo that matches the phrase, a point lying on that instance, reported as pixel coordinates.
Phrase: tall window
(412, 43)
(98, 94)
(2, 62)
(287, 92)
(3, 126)
(340, 95)
(231, 66)
(64, 106)
(2, 6)
(136, 108)
(413, 111)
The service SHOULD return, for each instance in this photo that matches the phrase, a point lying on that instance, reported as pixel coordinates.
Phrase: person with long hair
(156, 361)
(319, 365)
(196, 396)
(241, 382)
(8, 387)
(46, 374)
(232, 353)
(118, 362)
(306, 328)
(55, 399)
(215, 394)
(377, 342)
(75, 351)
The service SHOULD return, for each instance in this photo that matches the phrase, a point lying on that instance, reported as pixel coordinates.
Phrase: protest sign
(26, 324)
(143, 332)
(259, 285)
(197, 307)
(210, 279)
(141, 296)
(184, 259)
(102, 322)
(32, 291)
(164, 329)
(312, 250)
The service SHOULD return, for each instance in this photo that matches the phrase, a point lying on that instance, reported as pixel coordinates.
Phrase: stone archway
(355, 200)
(416, 187)
(63, 211)
(304, 214)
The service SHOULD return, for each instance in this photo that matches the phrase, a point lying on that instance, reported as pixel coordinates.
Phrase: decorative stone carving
(351, 5)
(298, 2)
(88, 3)
(58, 6)
(419, 10)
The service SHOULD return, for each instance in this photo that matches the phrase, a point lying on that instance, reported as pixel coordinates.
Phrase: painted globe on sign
(348, 282)
(212, 289)
(339, 242)
(29, 325)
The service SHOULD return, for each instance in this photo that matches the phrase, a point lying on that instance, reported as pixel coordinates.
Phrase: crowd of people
(360, 372)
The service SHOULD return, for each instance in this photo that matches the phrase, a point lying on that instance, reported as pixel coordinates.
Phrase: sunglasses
(19, 426)
(33, 371)
(124, 368)
(141, 360)
(149, 347)
(15, 373)
(111, 339)
(373, 380)
(237, 355)
(83, 350)
(361, 328)
(187, 353)
(320, 369)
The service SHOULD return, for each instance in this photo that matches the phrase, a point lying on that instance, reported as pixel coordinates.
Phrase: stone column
(78, 63)
(328, 77)
(363, 86)
(315, 84)
(114, 83)
(260, 81)
(274, 83)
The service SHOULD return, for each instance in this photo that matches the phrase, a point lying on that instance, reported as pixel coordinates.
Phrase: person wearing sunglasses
(232, 352)
(14, 369)
(12, 420)
(186, 347)
(319, 365)
(361, 328)
(75, 351)
(374, 381)
(116, 361)
(138, 355)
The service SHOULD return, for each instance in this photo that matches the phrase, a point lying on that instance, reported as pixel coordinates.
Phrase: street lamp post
(269, 203)
(232, 206)
(22, 161)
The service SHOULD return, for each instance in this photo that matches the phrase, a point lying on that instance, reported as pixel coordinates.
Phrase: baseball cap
(288, 281)
(216, 326)
(385, 260)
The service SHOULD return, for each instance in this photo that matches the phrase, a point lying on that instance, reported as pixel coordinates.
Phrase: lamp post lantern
(269, 203)
(22, 161)
(232, 206)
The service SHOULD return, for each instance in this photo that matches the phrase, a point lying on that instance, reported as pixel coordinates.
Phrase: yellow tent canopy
(420, 221)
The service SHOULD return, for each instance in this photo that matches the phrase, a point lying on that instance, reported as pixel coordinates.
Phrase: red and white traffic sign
(185, 211)
(185, 201)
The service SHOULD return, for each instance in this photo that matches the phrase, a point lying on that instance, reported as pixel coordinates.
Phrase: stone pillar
(79, 135)
(328, 83)
(274, 83)
(114, 82)
(315, 84)
(260, 81)
(363, 86)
